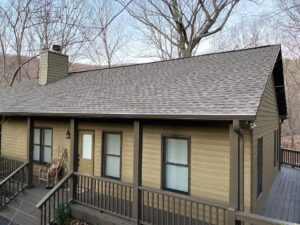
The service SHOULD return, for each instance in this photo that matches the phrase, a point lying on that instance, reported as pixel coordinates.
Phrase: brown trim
(163, 172)
(80, 132)
(133, 116)
(30, 130)
(103, 161)
(42, 128)
(137, 169)
(259, 194)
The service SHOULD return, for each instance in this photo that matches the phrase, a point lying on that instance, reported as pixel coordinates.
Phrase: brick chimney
(53, 65)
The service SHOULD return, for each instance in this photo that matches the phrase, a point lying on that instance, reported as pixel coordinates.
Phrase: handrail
(53, 190)
(104, 179)
(12, 185)
(13, 173)
(183, 197)
(258, 220)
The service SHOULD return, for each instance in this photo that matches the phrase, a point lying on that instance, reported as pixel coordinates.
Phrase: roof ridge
(170, 60)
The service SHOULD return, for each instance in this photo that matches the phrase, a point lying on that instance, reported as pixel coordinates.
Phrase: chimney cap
(56, 48)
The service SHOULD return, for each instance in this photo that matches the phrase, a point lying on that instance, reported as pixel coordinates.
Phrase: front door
(86, 152)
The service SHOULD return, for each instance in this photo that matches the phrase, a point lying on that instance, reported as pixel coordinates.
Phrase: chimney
(53, 65)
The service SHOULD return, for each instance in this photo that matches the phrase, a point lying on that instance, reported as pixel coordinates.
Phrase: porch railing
(165, 208)
(60, 194)
(111, 196)
(290, 157)
(8, 165)
(13, 184)
(253, 219)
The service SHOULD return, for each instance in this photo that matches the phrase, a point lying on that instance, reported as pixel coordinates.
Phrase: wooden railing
(111, 196)
(13, 184)
(8, 166)
(60, 194)
(253, 219)
(290, 157)
(161, 207)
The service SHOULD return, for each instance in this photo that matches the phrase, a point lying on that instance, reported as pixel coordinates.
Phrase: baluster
(157, 208)
(191, 212)
(217, 217)
(185, 212)
(163, 209)
(152, 207)
(210, 215)
(168, 199)
(173, 216)
(197, 214)
(45, 218)
(148, 209)
(203, 214)
(41, 216)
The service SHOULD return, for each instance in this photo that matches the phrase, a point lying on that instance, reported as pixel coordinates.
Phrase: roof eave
(132, 116)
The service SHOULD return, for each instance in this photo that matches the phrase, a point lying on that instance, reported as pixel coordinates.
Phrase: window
(87, 146)
(175, 164)
(42, 145)
(111, 155)
(259, 166)
(276, 147)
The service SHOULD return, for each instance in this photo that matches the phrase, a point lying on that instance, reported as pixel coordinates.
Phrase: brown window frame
(41, 144)
(260, 157)
(163, 163)
(104, 154)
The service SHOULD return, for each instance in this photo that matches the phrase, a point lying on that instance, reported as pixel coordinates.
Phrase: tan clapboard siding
(267, 122)
(247, 169)
(59, 141)
(14, 138)
(127, 146)
(209, 159)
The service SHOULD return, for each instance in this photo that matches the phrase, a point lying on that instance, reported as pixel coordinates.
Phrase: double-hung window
(111, 160)
(175, 164)
(42, 145)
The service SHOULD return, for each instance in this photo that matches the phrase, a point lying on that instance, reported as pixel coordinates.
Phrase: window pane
(176, 150)
(48, 137)
(112, 144)
(112, 166)
(87, 145)
(37, 136)
(47, 154)
(177, 177)
(36, 152)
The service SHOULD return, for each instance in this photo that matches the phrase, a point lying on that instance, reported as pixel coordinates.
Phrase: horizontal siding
(209, 159)
(266, 123)
(14, 138)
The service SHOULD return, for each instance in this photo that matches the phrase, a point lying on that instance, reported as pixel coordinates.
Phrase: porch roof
(223, 85)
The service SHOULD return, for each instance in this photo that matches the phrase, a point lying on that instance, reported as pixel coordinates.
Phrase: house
(196, 137)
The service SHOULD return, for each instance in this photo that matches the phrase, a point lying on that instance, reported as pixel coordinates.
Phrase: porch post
(234, 172)
(73, 154)
(137, 170)
(30, 130)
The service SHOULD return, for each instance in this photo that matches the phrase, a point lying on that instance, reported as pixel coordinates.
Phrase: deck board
(283, 201)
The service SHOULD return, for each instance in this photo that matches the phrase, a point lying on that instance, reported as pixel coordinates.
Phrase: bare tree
(106, 43)
(17, 17)
(288, 23)
(182, 23)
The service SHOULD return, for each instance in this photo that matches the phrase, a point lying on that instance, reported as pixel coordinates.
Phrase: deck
(21, 210)
(283, 201)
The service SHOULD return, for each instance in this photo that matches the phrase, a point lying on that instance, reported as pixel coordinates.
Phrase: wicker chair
(51, 173)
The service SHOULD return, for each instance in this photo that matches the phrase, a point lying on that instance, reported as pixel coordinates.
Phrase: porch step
(95, 217)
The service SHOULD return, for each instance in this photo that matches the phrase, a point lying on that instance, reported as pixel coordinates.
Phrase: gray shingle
(229, 83)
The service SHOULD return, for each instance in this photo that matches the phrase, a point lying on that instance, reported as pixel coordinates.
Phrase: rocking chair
(50, 174)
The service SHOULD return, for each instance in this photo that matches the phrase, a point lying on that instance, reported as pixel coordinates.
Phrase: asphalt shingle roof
(229, 83)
